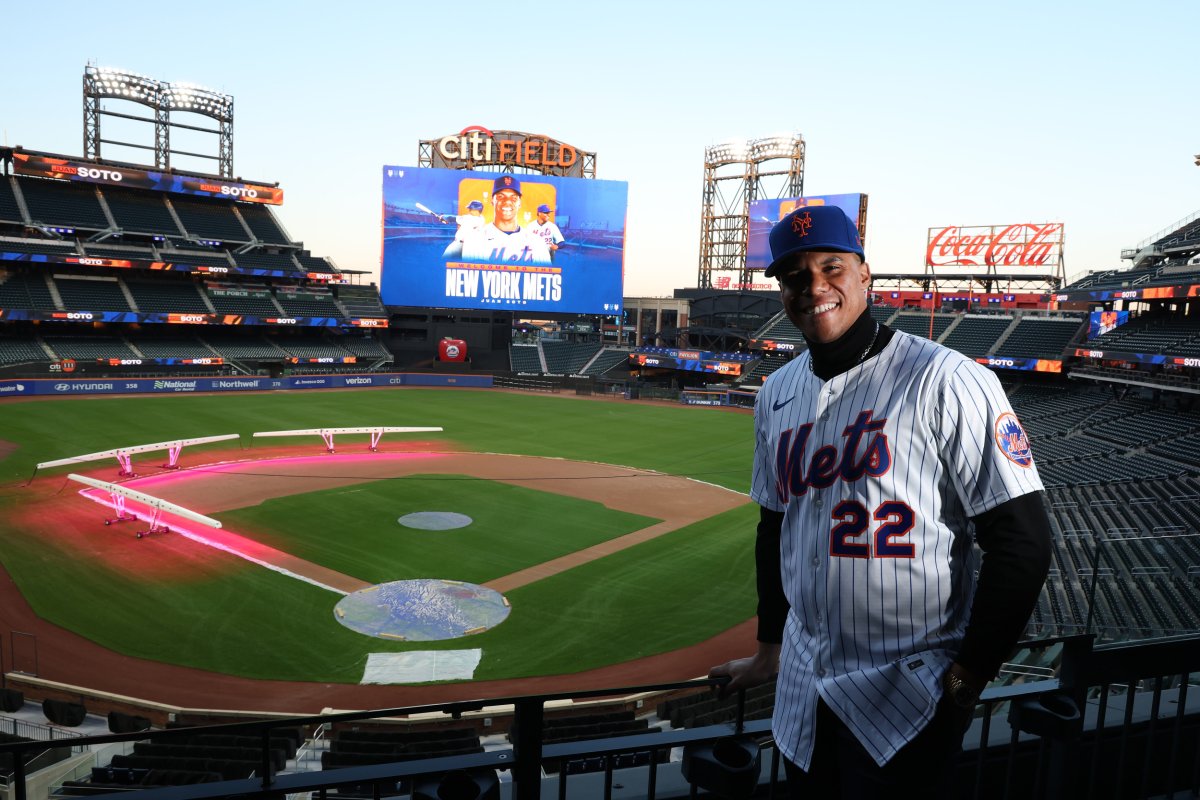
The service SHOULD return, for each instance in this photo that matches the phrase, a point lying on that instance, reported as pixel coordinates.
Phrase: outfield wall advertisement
(63, 386)
(489, 240)
(765, 213)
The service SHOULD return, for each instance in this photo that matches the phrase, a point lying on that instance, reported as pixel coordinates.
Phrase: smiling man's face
(824, 292)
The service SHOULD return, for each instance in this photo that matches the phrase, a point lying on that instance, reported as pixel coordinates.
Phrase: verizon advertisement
(1036, 247)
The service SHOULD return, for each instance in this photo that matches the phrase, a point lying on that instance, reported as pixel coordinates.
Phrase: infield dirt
(68, 658)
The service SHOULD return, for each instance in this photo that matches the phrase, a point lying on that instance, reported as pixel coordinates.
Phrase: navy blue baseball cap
(475, 205)
(812, 228)
(506, 182)
(543, 209)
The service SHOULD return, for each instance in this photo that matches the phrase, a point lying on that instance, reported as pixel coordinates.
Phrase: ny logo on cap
(508, 181)
(802, 225)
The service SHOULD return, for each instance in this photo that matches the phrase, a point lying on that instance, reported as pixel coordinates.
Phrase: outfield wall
(66, 386)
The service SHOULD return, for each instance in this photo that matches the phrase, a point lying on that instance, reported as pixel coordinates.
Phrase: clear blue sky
(944, 113)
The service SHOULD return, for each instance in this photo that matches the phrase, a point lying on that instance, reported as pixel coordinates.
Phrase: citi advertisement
(484, 240)
(765, 213)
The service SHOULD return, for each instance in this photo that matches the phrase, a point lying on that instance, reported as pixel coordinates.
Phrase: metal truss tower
(735, 175)
(101, 83)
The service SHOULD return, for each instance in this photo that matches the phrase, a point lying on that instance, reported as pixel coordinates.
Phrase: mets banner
(482, 240)
(765, 213)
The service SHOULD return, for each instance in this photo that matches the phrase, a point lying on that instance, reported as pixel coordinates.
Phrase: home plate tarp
(421, 666)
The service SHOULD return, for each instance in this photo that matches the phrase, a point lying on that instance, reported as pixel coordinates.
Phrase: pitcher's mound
(422, 610)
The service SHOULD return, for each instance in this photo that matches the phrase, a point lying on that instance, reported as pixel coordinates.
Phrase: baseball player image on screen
(469, 222)
(881, 459)
(546, 229)
(503, 241)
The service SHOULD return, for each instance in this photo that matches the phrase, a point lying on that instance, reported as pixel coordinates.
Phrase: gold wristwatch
(962, 693)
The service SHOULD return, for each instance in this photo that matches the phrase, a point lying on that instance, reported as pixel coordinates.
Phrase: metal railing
(1118, 721)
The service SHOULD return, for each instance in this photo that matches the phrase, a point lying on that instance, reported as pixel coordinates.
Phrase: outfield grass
(162, 599)
(711, 444)
(354, 529)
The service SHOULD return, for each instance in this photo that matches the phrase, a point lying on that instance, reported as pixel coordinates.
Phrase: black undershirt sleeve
(1015, 540)
(772, 603)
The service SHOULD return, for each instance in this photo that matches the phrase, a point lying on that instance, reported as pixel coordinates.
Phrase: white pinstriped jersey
(549, 232)
(490, 245)
(467, 225)
(878, 471)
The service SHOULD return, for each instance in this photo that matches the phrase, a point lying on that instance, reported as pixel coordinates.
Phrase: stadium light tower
(737, 173)
(163, 98)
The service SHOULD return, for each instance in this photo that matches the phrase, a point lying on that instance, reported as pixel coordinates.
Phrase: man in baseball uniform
(504, 241)
(546, 229)
(469, 222)
(881, 459)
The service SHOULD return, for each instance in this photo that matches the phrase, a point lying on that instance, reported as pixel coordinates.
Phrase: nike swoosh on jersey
(777, 406)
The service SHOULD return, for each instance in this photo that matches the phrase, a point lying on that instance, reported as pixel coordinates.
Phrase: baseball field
(616, 532)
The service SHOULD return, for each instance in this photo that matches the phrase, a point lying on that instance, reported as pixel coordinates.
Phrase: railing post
(527, 748)
(1058, 718)
(19, 774)
(1087, 626)
(268, 772)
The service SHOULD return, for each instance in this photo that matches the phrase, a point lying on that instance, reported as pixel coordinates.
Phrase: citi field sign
(1025, 244)
(476, 144)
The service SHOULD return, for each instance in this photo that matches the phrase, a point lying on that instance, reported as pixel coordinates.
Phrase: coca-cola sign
(1025, 244)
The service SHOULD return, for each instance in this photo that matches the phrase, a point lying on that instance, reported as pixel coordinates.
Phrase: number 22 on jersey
(885, 540)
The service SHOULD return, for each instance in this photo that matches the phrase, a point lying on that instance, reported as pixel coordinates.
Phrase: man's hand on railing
(744, 673)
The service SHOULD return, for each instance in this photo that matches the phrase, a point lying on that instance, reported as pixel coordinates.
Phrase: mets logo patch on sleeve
(1012, 441)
